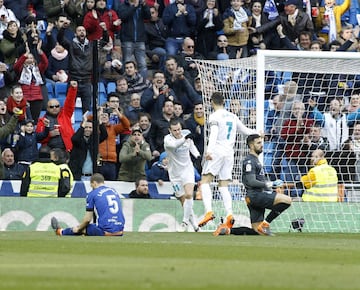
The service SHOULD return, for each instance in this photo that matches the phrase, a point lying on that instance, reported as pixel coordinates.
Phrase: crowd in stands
(147, 76)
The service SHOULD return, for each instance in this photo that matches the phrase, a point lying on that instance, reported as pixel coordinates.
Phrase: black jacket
(80, 148)
(132, 26)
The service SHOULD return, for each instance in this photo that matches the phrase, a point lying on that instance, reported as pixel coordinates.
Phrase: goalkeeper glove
(278, 183)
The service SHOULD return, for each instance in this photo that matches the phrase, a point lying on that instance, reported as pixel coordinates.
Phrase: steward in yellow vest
(43, 178)
(321, 180)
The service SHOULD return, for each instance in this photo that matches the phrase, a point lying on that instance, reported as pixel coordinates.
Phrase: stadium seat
(111, 87)
(60, 92)
(78, 114)
(50, 90)
(102, 95)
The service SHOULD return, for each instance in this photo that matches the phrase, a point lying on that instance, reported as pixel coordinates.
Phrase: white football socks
(227, 199)
(206, 196)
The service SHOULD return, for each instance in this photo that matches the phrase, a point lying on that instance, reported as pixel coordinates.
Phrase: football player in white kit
(219, 157)
(178, 146)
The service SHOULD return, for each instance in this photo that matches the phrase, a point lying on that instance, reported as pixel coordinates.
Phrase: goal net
(289, 82)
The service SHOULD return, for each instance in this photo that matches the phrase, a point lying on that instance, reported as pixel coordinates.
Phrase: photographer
(153, 98)
(107, 149)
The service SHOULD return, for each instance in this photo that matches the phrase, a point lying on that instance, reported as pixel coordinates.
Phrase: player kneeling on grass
(110, 218)
(259, 194)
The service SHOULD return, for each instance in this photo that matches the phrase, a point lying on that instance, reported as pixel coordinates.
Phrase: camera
(164, 89)
(108, 110)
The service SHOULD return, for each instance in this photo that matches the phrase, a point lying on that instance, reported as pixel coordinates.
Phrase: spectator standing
(80, 62)
(329, 19)
(221, 50)
(107, 149)
(133, 156)
(334, 123)
(156, 33)
(58, 68)
(236, 22)
(109, 216)
(81, 162)
(6, 15)
(178, 146)
(133, 13)
(259, 20)
(208, 23)
(294, 20)
(12, 170)
(182, 86)
(153, 97)
(180, 18)
(60, 130)
(293, 132)
(68, 8)
(101, 19)
(184, 59)
(20, 9)
(30, 78)
(314, 141)
(52, 31)
(321, 182)
(141, 189)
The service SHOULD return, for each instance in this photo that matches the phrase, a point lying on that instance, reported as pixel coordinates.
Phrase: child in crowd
(26, 146)
(159, 170)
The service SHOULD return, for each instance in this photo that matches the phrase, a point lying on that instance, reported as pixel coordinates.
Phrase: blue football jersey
(106, 202)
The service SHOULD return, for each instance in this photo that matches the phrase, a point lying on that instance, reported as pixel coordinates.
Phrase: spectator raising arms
(61, 130)
(30, 78)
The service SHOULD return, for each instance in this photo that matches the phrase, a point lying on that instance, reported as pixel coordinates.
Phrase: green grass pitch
(41, 260)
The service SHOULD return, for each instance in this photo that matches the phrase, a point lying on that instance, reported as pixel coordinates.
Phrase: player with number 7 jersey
(106, 203)
(219, 156)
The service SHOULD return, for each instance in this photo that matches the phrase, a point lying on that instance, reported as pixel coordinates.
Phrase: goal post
(249, 85)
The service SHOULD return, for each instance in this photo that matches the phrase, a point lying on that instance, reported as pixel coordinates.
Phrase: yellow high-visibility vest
(325, 188)
(44, 180)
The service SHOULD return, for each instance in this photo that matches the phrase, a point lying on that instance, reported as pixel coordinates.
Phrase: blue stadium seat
(78, 114)
(50, 90)
(76, 125)
(102, 95)
(60, 92)
(111, 87)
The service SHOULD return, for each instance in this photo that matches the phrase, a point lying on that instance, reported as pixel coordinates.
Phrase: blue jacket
(181, 26)
(132, 26)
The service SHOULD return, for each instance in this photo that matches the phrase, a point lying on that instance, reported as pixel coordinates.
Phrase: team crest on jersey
(248, 167)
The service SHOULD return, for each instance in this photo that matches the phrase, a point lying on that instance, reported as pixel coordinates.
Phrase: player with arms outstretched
(178, 146)
(219, 157)
(107, 204)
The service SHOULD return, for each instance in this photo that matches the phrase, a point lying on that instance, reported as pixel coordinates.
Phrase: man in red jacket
(61, 129)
